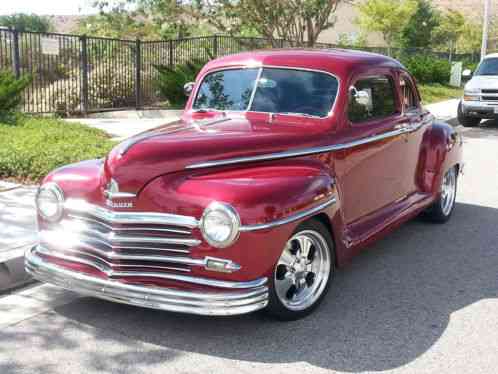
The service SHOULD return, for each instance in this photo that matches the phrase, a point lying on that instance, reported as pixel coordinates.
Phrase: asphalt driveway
(423, 300)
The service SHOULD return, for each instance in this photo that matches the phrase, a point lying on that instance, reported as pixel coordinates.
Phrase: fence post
(16, 58)
(215, 46)
(138, 75)
(171, 54)
(84, 74)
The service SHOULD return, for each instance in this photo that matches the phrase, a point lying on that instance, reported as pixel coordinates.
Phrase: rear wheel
(441, 210)
(303, 272)
(466, 121)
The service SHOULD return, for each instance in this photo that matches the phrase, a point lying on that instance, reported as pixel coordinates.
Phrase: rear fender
(441, 149)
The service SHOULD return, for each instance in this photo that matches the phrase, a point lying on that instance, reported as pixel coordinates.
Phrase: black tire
(466, 121)
(275, 307)
(438, 212)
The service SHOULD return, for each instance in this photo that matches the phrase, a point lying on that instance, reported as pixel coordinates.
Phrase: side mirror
(467, 73)
(188, 88)
(361, 97)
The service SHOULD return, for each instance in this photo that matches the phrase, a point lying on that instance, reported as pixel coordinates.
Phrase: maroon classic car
(284, 165)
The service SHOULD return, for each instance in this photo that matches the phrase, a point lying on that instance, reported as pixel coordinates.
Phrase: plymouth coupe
(285, 165)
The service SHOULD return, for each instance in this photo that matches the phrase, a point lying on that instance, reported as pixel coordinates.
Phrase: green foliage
(11, 90)
(26, 22)
(388, 17)
(427, 69)
(33, 147)
(435, 92)
(418, 32)
(298, 21)
(171, 80)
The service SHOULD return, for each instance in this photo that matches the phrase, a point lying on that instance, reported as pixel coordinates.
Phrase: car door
(369, 174)
(415, 120)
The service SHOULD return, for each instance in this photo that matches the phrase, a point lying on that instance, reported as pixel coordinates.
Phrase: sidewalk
(17, 231)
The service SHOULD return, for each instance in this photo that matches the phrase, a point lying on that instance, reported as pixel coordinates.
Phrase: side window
(410, 99)
(380, 102)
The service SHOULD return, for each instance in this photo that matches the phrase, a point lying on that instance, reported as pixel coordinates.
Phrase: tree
(388, 17)
(144, 19)
(418, 32)
(26, 22)
(299, 22)
(450, 30)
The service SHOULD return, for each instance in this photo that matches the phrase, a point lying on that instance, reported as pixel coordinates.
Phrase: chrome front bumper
(242, 297)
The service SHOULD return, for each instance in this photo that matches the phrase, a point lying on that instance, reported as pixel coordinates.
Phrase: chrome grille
(122, 242)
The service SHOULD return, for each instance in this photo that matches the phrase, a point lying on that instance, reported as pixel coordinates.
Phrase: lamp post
(485, 29)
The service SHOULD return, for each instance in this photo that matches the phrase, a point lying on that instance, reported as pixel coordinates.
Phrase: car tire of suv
(441, 210)
(303, 273)
(466, 121)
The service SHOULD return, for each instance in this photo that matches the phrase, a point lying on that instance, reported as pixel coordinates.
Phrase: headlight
(50, 202)
(471, 94)
(220, 225)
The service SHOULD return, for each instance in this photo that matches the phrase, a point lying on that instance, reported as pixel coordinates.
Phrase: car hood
(175, 146)
(483, 82)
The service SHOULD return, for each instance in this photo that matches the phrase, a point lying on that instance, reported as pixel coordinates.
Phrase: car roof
(330, 60)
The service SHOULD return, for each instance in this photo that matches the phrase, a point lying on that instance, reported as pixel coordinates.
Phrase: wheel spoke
(287, 258)
(291, 292)
(284, 285)
(282, 270)
(304, 245)
(310, 278)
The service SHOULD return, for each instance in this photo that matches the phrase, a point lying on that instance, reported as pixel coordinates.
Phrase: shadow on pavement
(385, 310)
(486, 130)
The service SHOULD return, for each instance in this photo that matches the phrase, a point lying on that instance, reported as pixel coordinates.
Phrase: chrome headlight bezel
(231, 216)
(57, 194)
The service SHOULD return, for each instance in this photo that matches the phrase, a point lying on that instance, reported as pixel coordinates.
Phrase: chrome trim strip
(292, 218)
(182, 278)
(132, 229)
(299, 152)
(81, 206)
(107, 269)
(106, 256)
(119, 195)
(243, 297)
(113, 238)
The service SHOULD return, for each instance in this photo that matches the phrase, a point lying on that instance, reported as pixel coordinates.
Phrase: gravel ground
(423, 300)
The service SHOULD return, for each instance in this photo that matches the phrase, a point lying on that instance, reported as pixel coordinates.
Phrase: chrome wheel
(448, 192)
(303, 270)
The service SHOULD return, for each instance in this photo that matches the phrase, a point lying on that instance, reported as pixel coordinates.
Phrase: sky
(46, 7)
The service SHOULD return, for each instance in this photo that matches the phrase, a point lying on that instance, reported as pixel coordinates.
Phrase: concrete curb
(12, 273)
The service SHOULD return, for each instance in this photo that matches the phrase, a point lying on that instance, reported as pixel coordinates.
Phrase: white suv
(480, 98)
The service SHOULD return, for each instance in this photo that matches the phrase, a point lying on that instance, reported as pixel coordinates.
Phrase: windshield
(277, 90)
(488, 67)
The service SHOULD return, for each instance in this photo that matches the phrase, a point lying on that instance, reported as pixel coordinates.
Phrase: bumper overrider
(239, 297)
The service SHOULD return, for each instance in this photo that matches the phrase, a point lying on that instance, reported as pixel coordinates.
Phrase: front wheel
(466, 121)
(441, 210)
(303, 272)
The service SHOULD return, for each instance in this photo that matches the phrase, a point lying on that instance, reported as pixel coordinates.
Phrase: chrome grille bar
(118, 228)
(124, 218)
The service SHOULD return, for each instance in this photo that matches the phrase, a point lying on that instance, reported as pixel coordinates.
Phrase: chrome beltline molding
(243, 297)
(81, 206)
(289, 219)
(306, 151)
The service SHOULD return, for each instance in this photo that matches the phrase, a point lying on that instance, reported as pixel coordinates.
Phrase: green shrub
(427, 69)
(35, 146)
(11, 90)
(171, 80)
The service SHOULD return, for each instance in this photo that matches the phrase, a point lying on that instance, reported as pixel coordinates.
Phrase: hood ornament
(112, 192)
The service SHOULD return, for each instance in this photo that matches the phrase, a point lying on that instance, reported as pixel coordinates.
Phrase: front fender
(260, 194)
(441, 149)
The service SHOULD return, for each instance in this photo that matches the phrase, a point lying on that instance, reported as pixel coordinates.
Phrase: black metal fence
(80, 74)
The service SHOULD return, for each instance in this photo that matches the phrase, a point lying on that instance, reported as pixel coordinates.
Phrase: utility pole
(485, 29)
